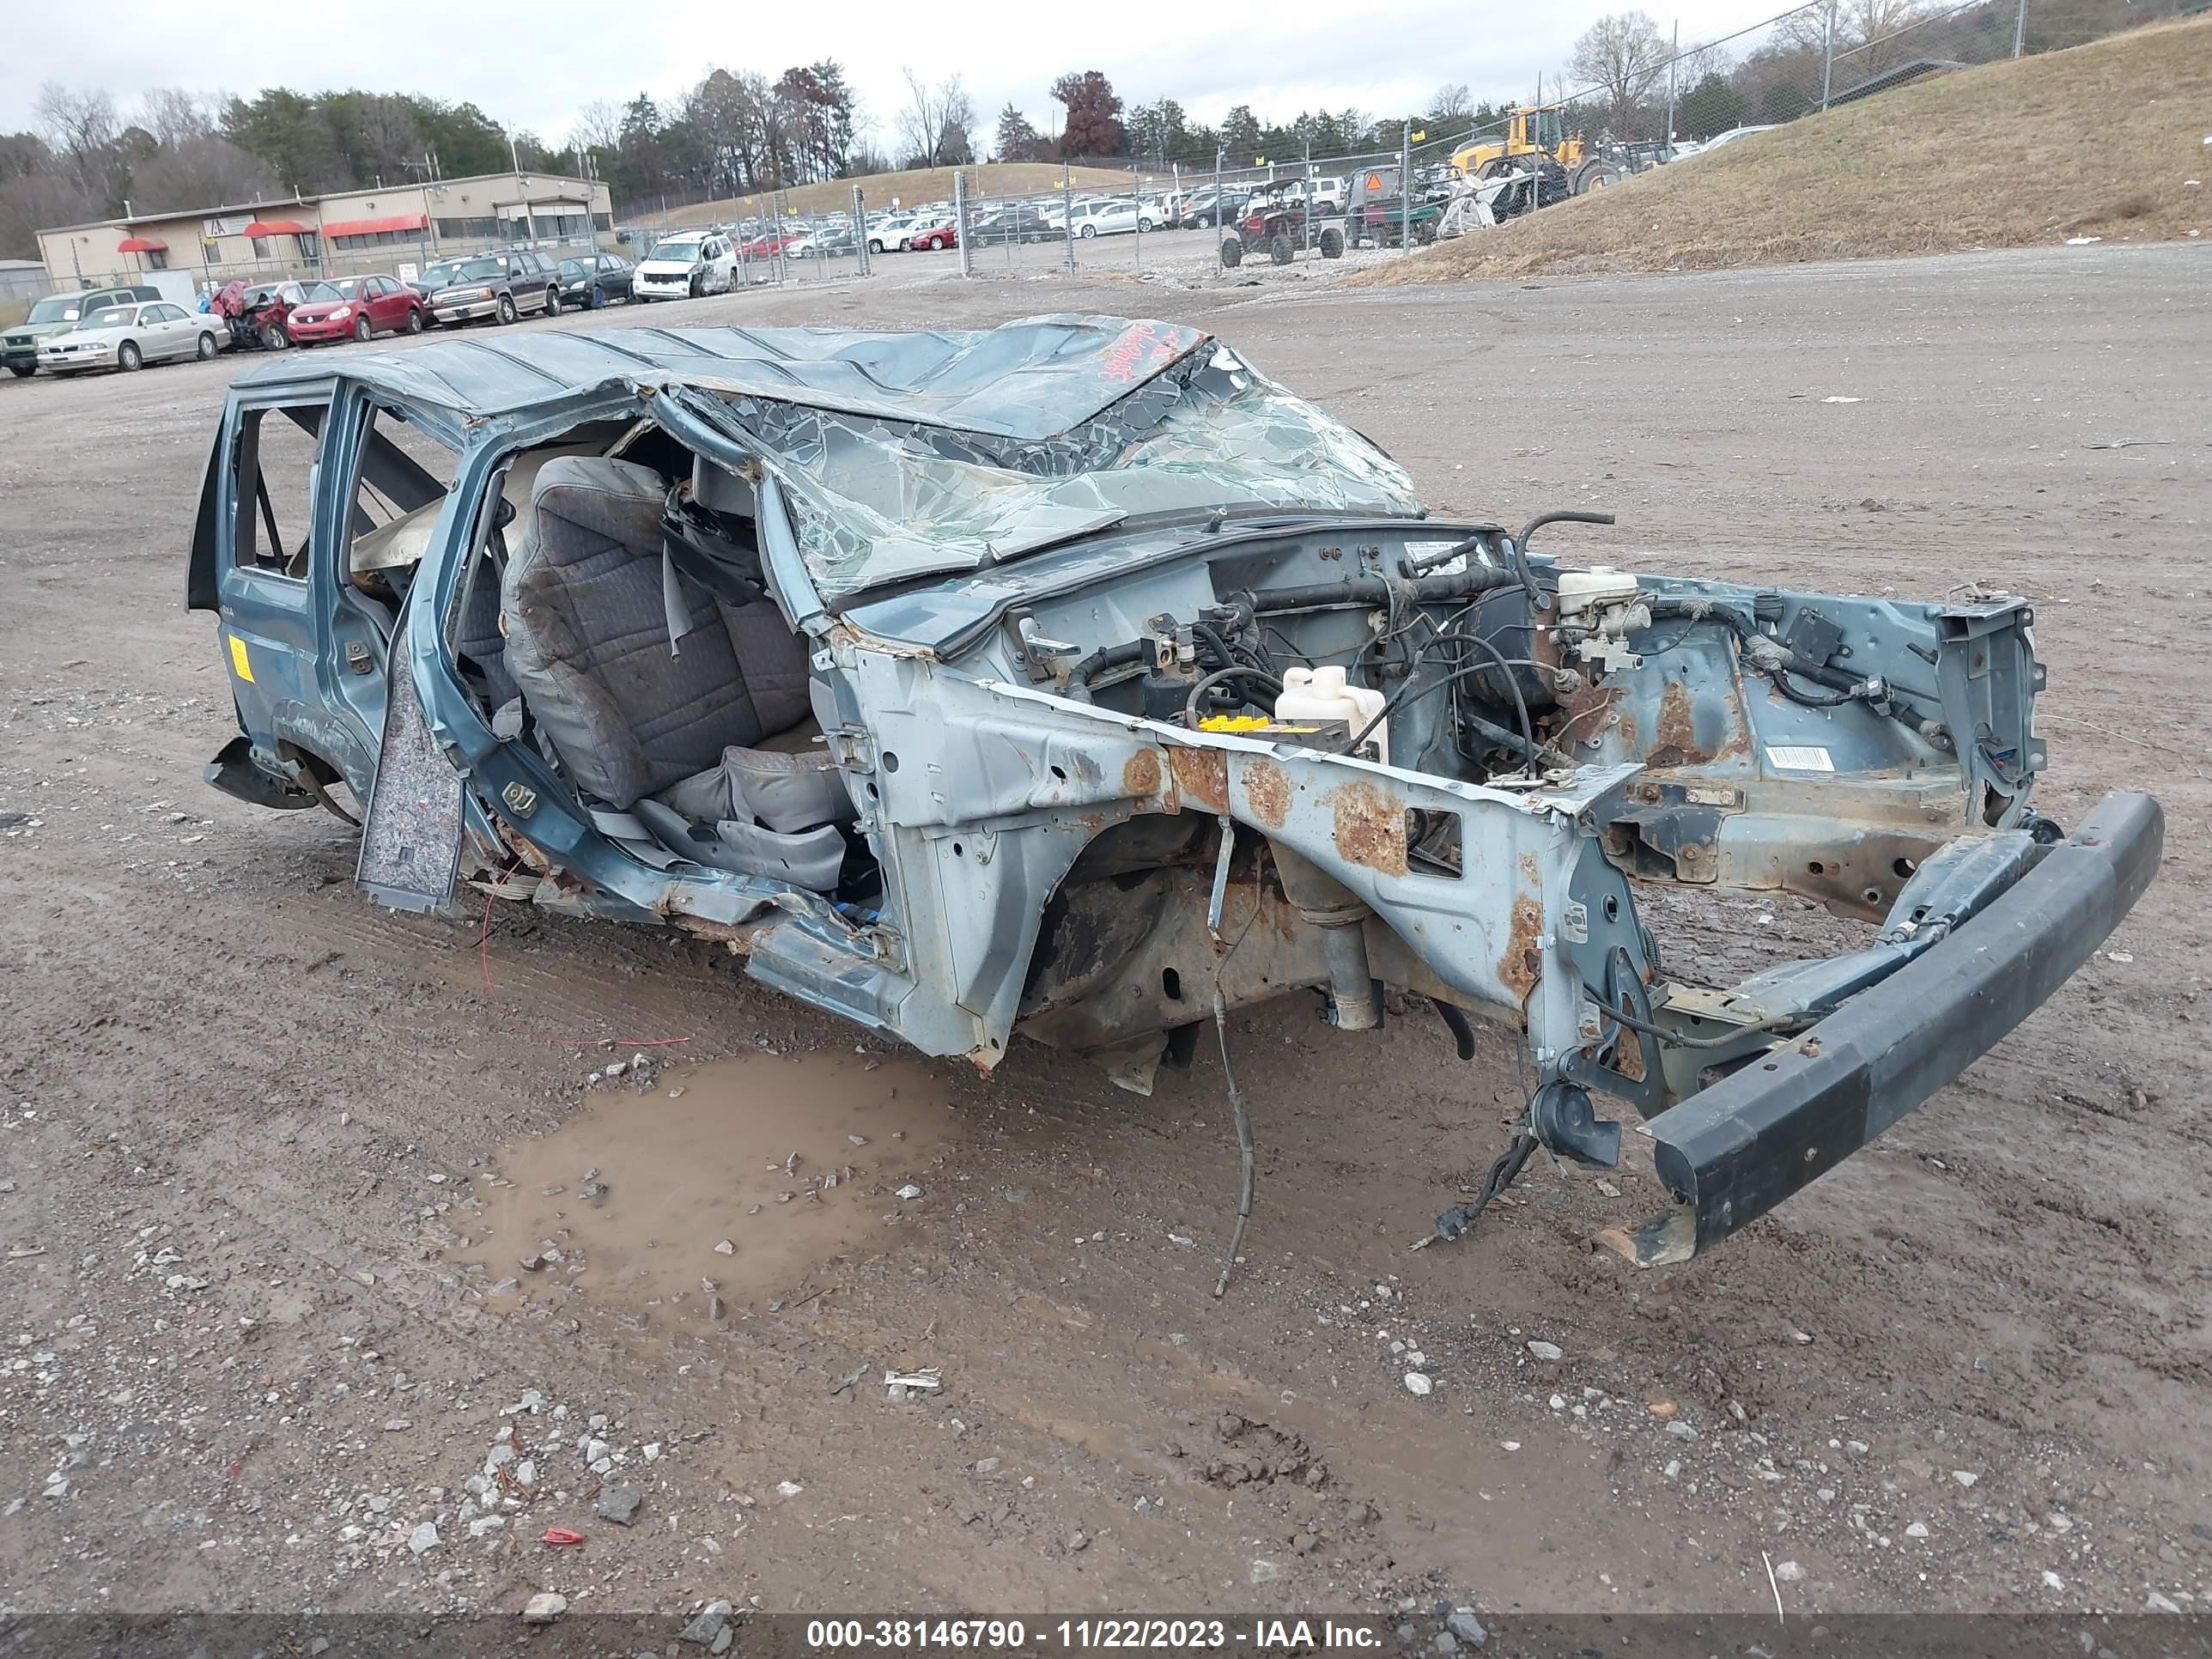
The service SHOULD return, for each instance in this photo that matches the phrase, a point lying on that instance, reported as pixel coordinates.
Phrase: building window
(261, 247)
(157, 260)
(603, 222)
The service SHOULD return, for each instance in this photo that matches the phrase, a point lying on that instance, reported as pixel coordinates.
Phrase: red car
(354, 307)
(768, 246)
(945, 233)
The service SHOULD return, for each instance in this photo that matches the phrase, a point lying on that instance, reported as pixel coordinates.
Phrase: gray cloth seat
(638, 724)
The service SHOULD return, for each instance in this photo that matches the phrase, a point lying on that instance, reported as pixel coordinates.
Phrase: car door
(179, 331)
(157, 337)
(378, 300)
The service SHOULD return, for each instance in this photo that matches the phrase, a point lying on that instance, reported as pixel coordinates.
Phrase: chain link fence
(1178, 223)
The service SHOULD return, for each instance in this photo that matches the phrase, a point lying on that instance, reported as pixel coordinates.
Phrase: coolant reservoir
(1320, 694)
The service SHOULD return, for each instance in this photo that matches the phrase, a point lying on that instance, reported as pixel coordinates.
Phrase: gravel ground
(332, 1278)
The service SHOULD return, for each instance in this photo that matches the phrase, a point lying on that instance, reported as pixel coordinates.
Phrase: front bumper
(103, 359)
(467, 313)
(1733, 1151)
(303, 333)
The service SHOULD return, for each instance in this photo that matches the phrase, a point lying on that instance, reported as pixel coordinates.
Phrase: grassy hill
(2107, 140)
(916, 185)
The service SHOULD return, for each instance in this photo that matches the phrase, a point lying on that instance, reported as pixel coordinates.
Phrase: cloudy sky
(533, 67)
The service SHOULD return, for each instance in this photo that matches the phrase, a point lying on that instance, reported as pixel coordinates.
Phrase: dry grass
(13, 312)
(917, 185)
(2099, 141)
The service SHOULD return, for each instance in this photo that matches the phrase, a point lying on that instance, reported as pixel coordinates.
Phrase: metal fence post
(860, 231)
(2019, 30)
(1214, 213)
(960, 220)
(1667, 138)
(1828, 56)
(1406, 183)
(1137, 198)
(1306, 204)
(1067, 213)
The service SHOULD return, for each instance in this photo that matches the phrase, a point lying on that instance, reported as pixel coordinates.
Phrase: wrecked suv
(1074, 680)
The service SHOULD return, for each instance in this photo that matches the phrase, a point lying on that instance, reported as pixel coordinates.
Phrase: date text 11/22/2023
(1079, 1635)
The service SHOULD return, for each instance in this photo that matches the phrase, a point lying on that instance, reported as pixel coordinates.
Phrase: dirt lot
(269, 1153)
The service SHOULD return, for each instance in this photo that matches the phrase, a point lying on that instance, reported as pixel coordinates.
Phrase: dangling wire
(1246, 1152)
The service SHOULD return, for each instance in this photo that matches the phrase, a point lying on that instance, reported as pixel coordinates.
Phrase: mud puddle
(785, 1161)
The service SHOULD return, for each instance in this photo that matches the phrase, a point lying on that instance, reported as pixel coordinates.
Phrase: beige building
(356, 230)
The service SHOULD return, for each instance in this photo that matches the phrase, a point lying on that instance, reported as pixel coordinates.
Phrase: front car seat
(669, 727)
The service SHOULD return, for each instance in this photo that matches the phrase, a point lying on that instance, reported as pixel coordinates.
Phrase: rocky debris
(543, 1608)
(1418, 1383)
(617, 1503)
(1260, 1455)
(708, 1626)
(1547, 1350)
(1078, 1540)
(423, 1539)
(1788, 1572)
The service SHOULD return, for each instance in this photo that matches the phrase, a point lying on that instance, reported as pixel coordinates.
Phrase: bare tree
(80, 124)
(1865, 32)
(935, 125)
(1451, 103)
(1622, 54)
(175, 117)
(598, 125)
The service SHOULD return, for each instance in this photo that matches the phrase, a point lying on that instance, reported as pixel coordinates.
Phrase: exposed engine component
(1599, 609)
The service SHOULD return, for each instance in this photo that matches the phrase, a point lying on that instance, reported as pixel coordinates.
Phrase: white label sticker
(1418, 550)
(1785, 757)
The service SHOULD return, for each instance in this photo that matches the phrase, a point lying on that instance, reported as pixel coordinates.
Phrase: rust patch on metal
(1202, 776)
(1522, 962)
(1628, 1052)
(1140, 773)
(1267, 787)
(1370, 826)
(1529, 872)
(1586, 713)
(1676, 738)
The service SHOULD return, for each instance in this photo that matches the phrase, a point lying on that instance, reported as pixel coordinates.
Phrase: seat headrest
(619, 501)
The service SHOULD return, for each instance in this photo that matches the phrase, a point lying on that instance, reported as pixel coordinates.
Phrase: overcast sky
(532, 67)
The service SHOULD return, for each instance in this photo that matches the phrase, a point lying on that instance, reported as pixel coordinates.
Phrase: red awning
(142, 245)
(278, 227)
(372, 227)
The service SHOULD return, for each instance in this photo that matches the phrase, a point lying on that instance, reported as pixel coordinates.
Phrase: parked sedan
(129, 337)
(1112, 218)
(593, 280)
(1019, 222)
(354, 307)
(934, 233)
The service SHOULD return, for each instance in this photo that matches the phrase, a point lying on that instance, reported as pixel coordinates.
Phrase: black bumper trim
(1731, 1152)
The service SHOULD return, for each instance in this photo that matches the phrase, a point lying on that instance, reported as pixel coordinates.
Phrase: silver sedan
(129, 337)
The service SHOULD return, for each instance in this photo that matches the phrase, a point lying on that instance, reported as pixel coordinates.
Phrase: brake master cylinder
(1598, 609)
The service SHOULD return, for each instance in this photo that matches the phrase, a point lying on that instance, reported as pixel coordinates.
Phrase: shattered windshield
(877, 499)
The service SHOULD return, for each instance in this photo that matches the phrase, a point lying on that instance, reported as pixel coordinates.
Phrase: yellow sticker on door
(237, 660)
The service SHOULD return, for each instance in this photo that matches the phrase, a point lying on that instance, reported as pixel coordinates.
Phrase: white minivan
(686, 265)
